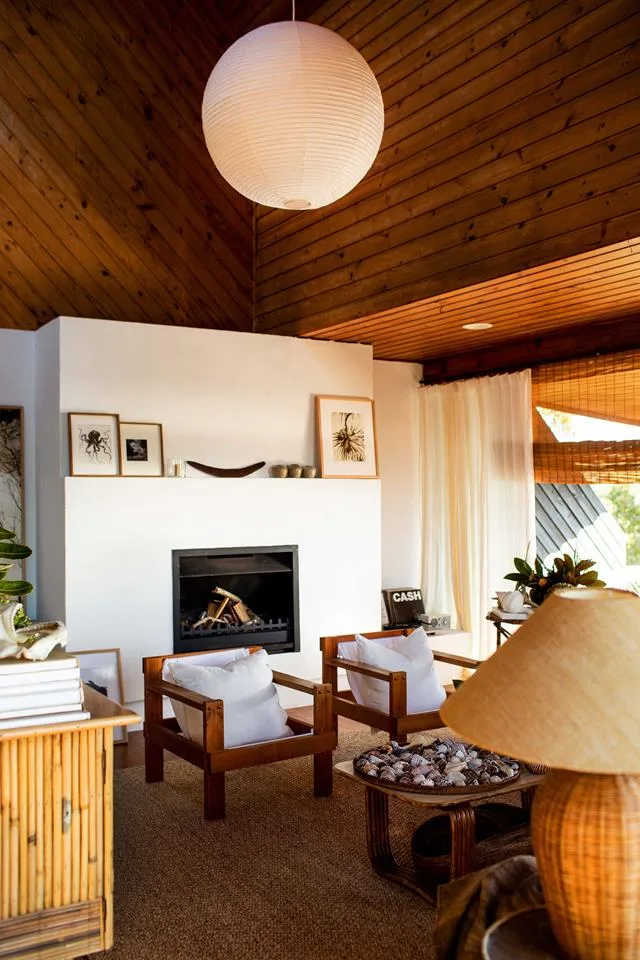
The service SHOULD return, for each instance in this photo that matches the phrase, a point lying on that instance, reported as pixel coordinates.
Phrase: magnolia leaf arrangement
(11, 552)
(538, 581)
(19, 637)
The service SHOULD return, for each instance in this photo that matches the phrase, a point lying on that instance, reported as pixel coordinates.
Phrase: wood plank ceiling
(511, 141)
(111, 206)
(601, 285)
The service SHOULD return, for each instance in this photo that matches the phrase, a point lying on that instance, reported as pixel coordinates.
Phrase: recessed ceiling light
(477, 326)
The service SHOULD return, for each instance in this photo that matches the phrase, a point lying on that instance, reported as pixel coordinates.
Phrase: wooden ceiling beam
(567, 343)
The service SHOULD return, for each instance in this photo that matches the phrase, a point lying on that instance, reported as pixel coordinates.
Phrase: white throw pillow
(252, 711)
(212, 658)
(411, 654)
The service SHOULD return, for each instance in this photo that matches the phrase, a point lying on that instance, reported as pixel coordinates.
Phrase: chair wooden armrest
(397, 680)
(176, 692)
(378, 673)
(456, 660)
(295, 683)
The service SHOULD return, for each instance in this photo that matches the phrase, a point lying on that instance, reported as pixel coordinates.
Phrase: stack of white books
(34, 692)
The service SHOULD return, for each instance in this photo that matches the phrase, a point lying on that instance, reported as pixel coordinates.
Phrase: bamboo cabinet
(56, 835)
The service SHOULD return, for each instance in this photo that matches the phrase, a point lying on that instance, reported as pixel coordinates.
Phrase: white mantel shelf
(120, 531)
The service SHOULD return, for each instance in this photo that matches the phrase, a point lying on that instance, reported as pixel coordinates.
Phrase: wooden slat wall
(111, 206)
(511, 141)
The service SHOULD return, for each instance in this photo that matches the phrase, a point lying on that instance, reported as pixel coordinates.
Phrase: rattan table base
(460, 811)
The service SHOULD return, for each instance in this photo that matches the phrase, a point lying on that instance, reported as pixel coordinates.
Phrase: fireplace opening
(236, 596)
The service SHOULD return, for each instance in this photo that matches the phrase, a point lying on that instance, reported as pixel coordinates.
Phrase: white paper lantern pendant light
(292, 115)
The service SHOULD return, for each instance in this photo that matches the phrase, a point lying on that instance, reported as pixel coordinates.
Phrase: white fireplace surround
(119, 535)
(103, 545)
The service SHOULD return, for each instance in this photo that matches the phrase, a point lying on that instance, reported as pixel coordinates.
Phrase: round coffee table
(460, 810)
(525, 935)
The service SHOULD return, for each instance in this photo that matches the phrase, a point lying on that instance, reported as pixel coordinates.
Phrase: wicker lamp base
(586, 837)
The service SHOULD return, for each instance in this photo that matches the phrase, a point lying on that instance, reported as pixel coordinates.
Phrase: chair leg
(153, 762)
(214, 799)
(323, 774)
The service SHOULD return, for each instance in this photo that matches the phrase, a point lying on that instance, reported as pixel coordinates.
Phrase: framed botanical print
(93, 445)
(141, 453)
(346, 436)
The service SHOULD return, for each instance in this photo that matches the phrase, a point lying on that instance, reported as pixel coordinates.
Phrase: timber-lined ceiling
(590, 288)
(111, 205)
(511, 140)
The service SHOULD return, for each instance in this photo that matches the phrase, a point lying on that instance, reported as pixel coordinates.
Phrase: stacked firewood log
(226, 607)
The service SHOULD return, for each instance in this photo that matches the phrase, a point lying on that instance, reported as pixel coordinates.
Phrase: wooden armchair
(318, 738)
(397, 722)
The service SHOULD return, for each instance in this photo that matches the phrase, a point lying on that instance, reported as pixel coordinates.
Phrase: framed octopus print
(346, 435)
(94, 446)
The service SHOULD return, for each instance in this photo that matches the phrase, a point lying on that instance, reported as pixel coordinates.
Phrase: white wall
(224, 398)
(396, 391)
(50, 424)
(17, 378)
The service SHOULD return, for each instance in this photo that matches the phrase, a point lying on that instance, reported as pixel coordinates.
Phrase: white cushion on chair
(411, 654)
(252, 711)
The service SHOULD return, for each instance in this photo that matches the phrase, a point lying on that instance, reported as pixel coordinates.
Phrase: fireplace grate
(218, 629)
(273, 635)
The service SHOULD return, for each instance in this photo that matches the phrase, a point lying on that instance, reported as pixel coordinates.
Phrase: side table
(459, 808)
(56, 835)
(501, 623)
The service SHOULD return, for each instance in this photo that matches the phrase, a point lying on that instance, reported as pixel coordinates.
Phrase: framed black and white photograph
(141, 449)
(12, 471)
(346, 436)
(94, 445)
(102, 670)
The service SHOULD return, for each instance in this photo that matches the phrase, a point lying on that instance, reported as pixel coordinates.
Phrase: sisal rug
(284, 877)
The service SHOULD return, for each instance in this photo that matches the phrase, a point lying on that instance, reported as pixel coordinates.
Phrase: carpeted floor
(284, 877)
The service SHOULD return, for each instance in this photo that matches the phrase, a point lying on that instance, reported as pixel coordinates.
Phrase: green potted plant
(537, 582)
(10, 553)
(19, 636)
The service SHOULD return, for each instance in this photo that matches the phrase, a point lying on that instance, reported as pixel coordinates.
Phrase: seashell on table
(443, 766)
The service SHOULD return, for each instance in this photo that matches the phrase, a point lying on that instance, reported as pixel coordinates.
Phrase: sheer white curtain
(478, 492)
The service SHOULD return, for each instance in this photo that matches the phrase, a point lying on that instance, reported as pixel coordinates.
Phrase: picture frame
(102, 670)
(346, 436)
(94, 448)
(12, 502)
(141, 449)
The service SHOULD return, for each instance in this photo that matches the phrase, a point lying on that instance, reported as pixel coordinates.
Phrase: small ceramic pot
(278, 470)
(295, 470)
(511, 601)
(309, 472)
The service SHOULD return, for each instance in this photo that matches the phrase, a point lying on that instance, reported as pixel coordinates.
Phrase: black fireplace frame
(251, 634)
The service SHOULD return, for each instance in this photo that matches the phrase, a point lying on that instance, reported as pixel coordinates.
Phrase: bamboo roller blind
(605, 387)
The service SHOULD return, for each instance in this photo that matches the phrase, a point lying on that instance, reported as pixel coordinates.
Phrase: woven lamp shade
(292, 116)
(564, 690)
